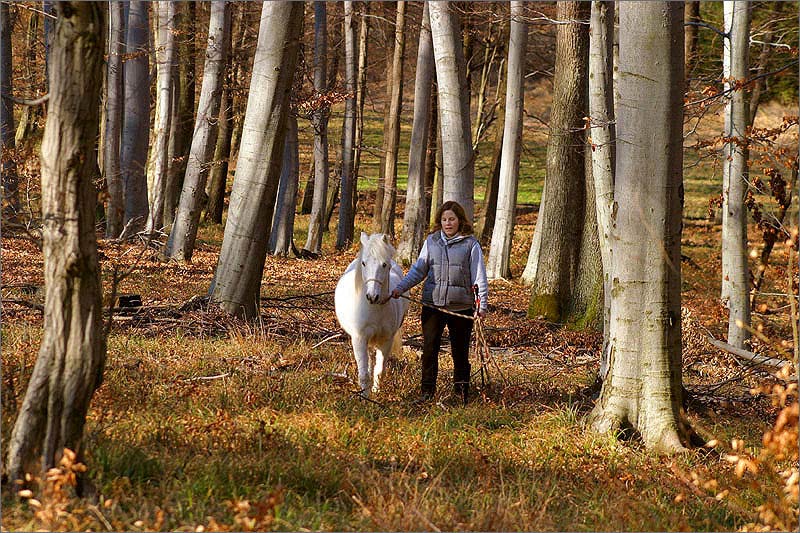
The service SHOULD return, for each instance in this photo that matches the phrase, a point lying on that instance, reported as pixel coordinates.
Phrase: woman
(451, 263)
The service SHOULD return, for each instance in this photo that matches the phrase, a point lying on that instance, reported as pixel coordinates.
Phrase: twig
(208, 378)
(25, 303)
(323, 341)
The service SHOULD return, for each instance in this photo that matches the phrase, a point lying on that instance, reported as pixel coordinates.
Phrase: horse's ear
(364, 239)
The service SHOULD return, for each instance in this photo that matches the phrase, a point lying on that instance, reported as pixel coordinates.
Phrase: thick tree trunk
(642, 393)
(414, 219)
(458, 173)
(563, 210)
(319, 120)
(601, 142)
(70, 363)
(280, 239)
(244, 246)
(187, 218)
(344, 230)
(136, 124)
(159, 163)
(691, 16)
(182, 121)
(395, 108)
(11, 205)
(219, 170)
(735, 270)
(500, 250)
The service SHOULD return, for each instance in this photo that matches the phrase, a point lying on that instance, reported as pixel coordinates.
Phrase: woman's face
(449, 223)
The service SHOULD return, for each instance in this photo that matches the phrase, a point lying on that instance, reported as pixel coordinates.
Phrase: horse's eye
(384, 265)
(363, 264)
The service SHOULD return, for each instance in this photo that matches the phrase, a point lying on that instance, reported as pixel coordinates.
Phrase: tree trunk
(601, 142)
(344, 230)
(69, 367)
(280, 239)
(642, 393)
(219, 170)
(691, 16)
(319, 121)
(393, 140)
(136, 124)
(562, 214)
(115, 207)
(237, 280)
(27, 120)
(380, 189)
(500, 250)
(458, 172)
(159, 164)
(361, 89)
(11, 205)
(735, 270)
(187, 218)
(182, 121)
(485, 224)
(414, 219)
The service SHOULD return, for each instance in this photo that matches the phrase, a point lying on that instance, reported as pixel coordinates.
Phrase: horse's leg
(383, 351)
(362, 361)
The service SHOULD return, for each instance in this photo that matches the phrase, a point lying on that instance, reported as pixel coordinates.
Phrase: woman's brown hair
(464, 226)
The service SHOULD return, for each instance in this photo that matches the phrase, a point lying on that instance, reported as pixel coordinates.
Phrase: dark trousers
(459, 330)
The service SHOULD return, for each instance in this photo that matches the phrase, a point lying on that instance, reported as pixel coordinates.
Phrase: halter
(376, 280)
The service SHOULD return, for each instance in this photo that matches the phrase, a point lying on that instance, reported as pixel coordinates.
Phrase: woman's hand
(480, 314)
(396, 294)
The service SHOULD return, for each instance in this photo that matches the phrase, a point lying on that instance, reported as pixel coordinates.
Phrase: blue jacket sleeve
(478, 271)
(418, 272)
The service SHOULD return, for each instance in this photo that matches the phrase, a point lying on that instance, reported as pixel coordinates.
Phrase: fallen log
(748, 356)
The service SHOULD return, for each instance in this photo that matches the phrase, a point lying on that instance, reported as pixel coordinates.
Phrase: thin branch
(31, 103)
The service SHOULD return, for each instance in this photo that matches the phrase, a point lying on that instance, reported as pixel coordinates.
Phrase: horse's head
(375, 263)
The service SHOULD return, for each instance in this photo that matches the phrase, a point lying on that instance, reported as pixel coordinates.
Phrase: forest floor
(204, 422)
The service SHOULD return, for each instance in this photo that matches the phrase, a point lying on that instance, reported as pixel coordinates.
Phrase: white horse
(364, 312)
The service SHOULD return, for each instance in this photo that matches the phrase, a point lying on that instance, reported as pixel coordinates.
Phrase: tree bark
(136, 124)
(69, 367)
(601, 143)
(344, 229)
(319, 121)
(159, 164)
(182, 121)
(735, 269)
(393, 139)
(244, 246)
(691, 16)
(181, 241)
(500, 250)
(642, 393)
(219, 170)
(485, 224)
(458, 172)
(361, 90)
(280, 238)
(115, 207)
(11, 205)
(562, 215)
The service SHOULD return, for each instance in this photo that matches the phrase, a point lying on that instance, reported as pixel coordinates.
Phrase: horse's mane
(378, 247)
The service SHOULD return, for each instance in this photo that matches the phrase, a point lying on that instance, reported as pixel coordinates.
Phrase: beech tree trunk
(458, 172)
(601, 143)
(344, 229)
(393, 139)
(11, 205)
(159, 163)
(642, 392)
(735, 270)
(69, 367)
(361, 89)
(182, 121)
(237, 280)
(136, 124)
(567, 213)
(280, 238)
(115, 207)
(187, 218)
(500, 250)
(319, 121)
(415, 219)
